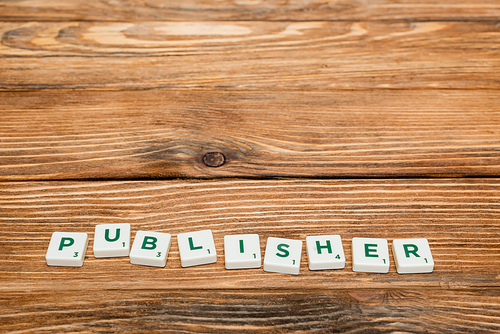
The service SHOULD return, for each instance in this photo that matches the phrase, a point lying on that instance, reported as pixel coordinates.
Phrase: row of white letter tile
(241, 251)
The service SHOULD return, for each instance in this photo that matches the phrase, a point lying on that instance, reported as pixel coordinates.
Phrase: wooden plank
(165, 134)
(151, 311)
(459, 217)
(164, 10)
(233, 55)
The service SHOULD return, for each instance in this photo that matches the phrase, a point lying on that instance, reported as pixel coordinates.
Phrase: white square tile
(370, 255)
(412, 256)
(283, 256)
(150, 248)
(111, 240)
(196, 248)
(242, 251)
(67, 249)
(325, 252)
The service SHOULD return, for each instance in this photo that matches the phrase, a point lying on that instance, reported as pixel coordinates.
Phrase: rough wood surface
(385, 90)
(270, 311)
(152, 134)
(235, 55)
(171, 10)
(459, 217)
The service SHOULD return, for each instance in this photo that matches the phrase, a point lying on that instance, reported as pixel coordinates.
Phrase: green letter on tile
(369, 250)
(281, 249)
(106, 235)
(66, 242)
(328, 246)
(149, 243)
(192, 246)
(409, 251)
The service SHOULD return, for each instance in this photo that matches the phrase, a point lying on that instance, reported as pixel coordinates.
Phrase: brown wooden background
(360, 118)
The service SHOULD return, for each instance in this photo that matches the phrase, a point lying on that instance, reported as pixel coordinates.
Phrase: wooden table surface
(282, 118)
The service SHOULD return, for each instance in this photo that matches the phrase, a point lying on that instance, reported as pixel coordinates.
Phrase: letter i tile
(370, 255)
(111, 240)
(412, 256)
(196, 248)
(283, 256)
(242, 251)
(150, 248)
(67, 249)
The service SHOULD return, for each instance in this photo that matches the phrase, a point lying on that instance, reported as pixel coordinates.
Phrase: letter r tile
(412, 256)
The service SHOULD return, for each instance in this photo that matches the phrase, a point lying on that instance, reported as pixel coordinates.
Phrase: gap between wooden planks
(459, 217)
(257, 54)
(325, 134)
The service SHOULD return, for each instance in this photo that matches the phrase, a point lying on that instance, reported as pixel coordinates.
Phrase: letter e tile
(370, 255)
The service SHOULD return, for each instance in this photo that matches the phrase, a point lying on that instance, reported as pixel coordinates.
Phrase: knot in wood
(214, 159)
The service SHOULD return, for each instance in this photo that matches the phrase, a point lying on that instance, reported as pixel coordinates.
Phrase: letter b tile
(150, 248)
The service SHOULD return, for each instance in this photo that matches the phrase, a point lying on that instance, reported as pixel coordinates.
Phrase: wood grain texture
(249, 55)
(171, 10)
(119, 93)
(164, 134)
(271, 311)
(459, 217)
